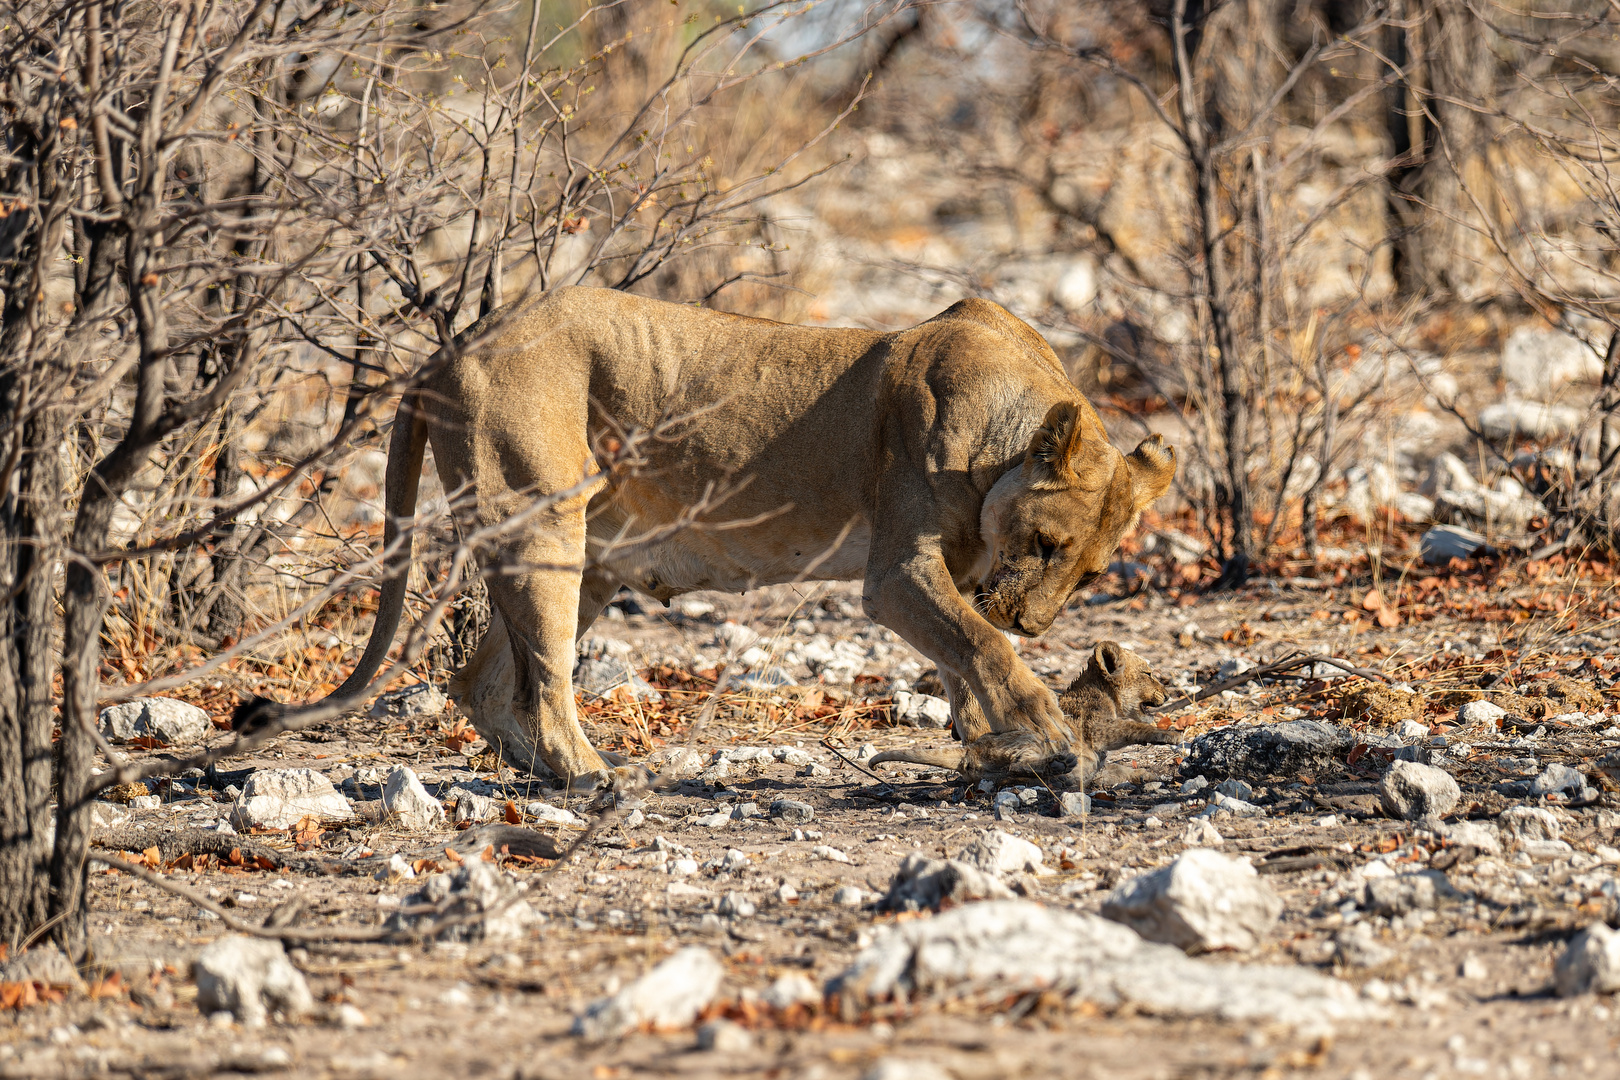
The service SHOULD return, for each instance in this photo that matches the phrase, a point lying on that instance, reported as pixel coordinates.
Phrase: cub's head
(1051, 525)
(1123, 676)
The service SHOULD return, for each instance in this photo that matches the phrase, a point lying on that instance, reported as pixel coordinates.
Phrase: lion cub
(1115, 686)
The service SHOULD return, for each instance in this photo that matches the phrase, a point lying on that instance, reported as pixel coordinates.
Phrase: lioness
(1098, 705)
(952, 465)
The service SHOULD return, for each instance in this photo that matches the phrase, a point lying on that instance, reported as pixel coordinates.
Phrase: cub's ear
(1108, 659)
(1153, 467)
(1052, 451)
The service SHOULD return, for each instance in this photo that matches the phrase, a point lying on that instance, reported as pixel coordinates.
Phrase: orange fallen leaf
(512, 815)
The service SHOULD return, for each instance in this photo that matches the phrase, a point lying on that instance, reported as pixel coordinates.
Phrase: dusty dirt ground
(1467, 983)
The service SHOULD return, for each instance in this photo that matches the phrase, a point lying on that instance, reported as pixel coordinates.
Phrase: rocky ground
(1333, 875)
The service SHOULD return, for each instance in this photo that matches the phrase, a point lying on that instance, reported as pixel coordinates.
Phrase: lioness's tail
(944, 757)
(405, 452)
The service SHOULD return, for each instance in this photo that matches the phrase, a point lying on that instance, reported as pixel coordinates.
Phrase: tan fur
(952, 466)
(1098, 705)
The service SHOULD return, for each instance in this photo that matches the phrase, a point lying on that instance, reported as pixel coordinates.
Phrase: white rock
(547, 814)
(1203, 900)
(922, 710)
(1591, 963)
(922, 883)
(1002, 948)
(250, 978)
(173, 723)
(1528, 419)
(1447, 472)
(280, 798)
(723, 1036)
(848, 896)
(404, 796)
(792, 988)
(1477, 834)
(1480, 712)
(1528, 823)
(893, 1068)
(831, 854)
(1411, 791)
(735, 637)
(1200, 832)
(995, 852)
(148, 802)
(670, 996)
(106, 815)
(1538, 361)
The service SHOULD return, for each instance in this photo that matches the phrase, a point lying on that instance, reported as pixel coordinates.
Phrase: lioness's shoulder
(994, 317)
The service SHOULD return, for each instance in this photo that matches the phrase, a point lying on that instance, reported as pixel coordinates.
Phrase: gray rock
(1195, 785)
(1422, 890)
(792, 811)
(762, 681)
(1200, 832)
(1442, 543)
(1528, 823)
(745, 810)
(999, 949)
(1590, 964)
(922, 883)
(600, 676)
(42, 963)
(106, 815)
(250, 978)
(848, 896)
(1495, 510)
(405, 797)
(280, 798)
(1202, 901)
(1480, 712)
(1236, 789)
(1410, 791)
(922, 710)
(677, 763)
(670, 996)
(1257, 751)
(1559, 778)
(475, 807)
(1073, 804)
(477, 892)
(422, 699)
(173, 723)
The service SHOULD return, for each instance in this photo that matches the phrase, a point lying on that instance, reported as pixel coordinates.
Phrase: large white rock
(670, 996)
(1530, 823)
(404, 796)
(1411, 791)
(250, 978)
(280, 798)
(1538, 361)
(476, 898)
(1001, 948)
(1591, 963)
(1203, 900)
(1447, 472)
(173, 723)
(1480, 712)
(996, 852)
(422, 699)
(923, 883)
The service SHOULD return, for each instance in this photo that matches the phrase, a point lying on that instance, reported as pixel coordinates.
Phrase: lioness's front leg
(916, 598)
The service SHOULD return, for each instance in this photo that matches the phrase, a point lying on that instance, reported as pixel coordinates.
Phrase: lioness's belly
(720, 553)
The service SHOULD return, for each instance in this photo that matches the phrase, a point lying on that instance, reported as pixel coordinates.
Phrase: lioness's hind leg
(541, 610)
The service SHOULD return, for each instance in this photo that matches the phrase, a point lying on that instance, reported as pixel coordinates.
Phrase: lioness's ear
(1108, 659)
(1057, 442)
(1153, 467)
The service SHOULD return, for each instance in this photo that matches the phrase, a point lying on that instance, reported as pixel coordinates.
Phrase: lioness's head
(1051, 524)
